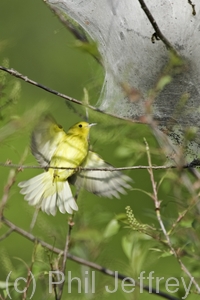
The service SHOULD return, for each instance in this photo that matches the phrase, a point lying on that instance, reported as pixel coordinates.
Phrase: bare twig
(193, 7)
(54, 92)
(11, 180)
(66, 250)
(65, 255)
(54, 277)
(178, 220)
(29, 277)
(157, 207)
(9, 184)
(21, 167)
(4, 236)
(159, 34)
(71, 224)
(34, 218)
(82, 261)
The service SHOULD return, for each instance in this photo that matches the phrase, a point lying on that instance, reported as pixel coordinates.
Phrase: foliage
(154, 228)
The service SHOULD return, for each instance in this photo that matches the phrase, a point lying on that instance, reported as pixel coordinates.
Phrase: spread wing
(102, 183)
(45, 138)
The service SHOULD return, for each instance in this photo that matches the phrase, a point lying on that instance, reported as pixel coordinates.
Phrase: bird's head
(81, 129)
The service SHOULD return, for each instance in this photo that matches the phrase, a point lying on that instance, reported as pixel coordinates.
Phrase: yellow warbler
(53, 147)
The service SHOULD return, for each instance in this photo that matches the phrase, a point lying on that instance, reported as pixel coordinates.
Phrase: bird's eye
(80, 125)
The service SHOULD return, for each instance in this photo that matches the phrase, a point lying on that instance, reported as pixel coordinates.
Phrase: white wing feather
(102, 183)
(41, 191)
(45, 139)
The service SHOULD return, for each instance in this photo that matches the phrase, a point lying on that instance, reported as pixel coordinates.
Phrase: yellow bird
(52, 147)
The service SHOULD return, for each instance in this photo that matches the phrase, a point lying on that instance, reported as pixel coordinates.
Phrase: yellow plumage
(53, 147)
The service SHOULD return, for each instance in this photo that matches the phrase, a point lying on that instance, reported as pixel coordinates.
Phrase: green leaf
(166, 254)
(89, 47)
(163, 82)
(155, 249)
(186, 223)
(111, 229)
(127, 245)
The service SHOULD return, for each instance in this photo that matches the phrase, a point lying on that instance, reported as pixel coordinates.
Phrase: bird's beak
(92, 124)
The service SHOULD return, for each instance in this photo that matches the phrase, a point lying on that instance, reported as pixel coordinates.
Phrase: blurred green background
(36, 44)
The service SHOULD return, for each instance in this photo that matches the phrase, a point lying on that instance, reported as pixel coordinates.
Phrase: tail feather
(34, 197)
(32, 182)
(49, 204)
(61, 206)
(61, 199)
(67, 199)
(43, 192)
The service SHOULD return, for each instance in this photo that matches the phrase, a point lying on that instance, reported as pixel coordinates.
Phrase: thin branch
(157, 207)
(54, 277)
(159, 34)
(34, 218)
(29, 275)
(21, 167)
(4, 236)
(82, 261)
(71, 224)
(193, 7)
(66, 250)
(178, 220)
(54, 92)
(65, 254)
(11, 180)
(9, 184)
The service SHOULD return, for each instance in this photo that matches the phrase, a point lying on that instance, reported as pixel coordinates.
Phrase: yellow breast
(70, 153)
